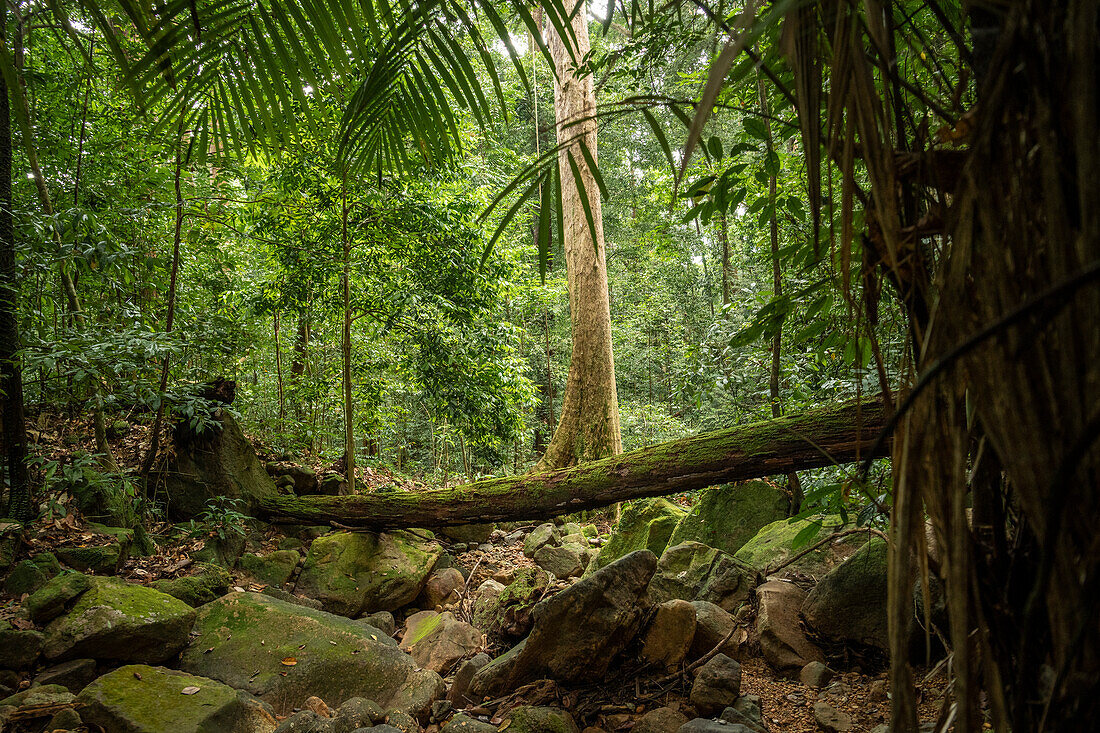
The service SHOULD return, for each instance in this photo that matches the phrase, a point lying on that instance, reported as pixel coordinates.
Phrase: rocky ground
(693, 615)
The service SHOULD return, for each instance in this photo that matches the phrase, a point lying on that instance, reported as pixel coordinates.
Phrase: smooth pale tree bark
(822, 437)
(589, 424)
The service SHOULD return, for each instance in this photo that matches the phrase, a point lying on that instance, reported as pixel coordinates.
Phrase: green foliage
(219, 518)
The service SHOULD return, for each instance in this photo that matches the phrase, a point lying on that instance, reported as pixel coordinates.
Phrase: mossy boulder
(773, 545)
(283, 653)
(468, 533)
(103, 558)
(120, 621)
(726, 517)
(531, 719)
(206, 582)
(221, 551)
(849, 604)
(29, 575)
(358, 572)
(646, 524)
(49, 601)
(692, 571)
(541, 536)
(142, 699)
(274, 568)
(438, 641)
(19, 649)
(41, 695)
(221, 463)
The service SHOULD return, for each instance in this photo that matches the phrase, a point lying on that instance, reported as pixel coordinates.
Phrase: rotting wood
(837, 434)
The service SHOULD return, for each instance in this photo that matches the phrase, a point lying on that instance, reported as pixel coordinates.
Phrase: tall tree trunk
(589, 424)
(11, 376)
(345, 342)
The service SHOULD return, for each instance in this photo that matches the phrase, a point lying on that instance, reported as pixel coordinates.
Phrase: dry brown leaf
(289, 661)
(189, 690)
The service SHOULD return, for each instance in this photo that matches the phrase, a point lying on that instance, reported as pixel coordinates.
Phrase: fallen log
(836, 434)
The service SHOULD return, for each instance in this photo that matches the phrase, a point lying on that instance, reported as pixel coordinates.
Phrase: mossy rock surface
(646, 524)
(142, 699)
(692, 571)
(274, 568)
(29, 575)
(19, 649)
(849, 603)
(98, 558)
(530, 719)
(726, 517)
(772, 545)
(220, 464)
(120, 621)
(41, 695)
(207, 582)
(49, 601)
(468, 533)
(243, 639)
(356, 572)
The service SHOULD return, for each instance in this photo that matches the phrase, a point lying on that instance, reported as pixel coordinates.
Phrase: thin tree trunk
(724, 238)
(777, 287)
(279, 373)
(836, 434)
(345, 342)
(11, 377)
(589, 424)
(177, 237)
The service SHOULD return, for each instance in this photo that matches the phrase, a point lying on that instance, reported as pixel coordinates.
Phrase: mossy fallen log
(831, 435)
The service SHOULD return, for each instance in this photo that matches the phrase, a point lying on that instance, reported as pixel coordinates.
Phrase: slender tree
(11, 376)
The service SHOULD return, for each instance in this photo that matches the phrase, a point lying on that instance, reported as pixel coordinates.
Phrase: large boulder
(439, 641)
(694, 571)
(357, 572)
(782, 640)
(29, 575)
(713, 625)
(221, 463)
(726, 517)
(670, 634)
(717, 685)
(283, 653)
(645, 524)
(774, 544)
(848, 605)
(142, 699)
(577, 632)
(120, 621)
(50, 601)
(274, 568)
(19, 648)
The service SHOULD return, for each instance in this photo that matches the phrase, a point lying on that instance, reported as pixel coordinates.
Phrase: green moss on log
(812, 439)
